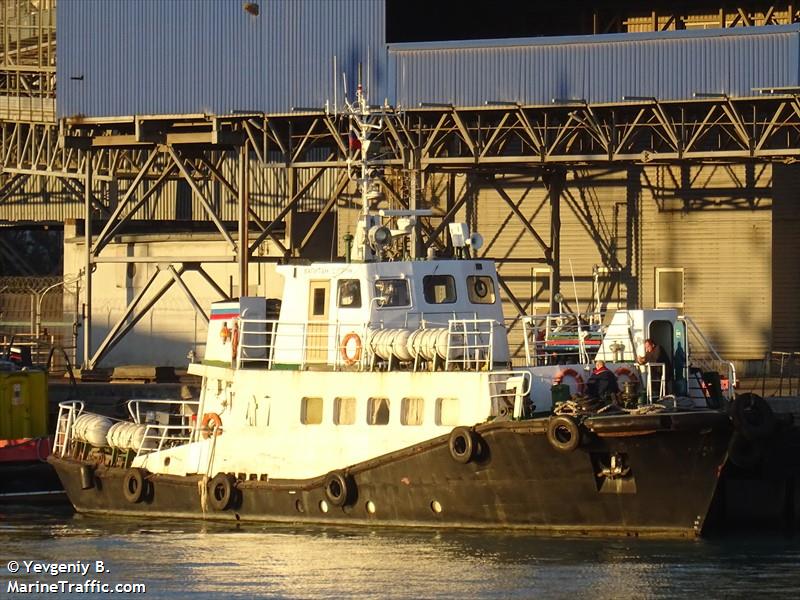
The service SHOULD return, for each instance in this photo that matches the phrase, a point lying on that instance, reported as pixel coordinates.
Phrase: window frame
(339, 287)
(405, 403)
(372, 414)
(426, 288)
(338, 402)
(405, 282)
(472, 295)
(657, 285)
(304, 401)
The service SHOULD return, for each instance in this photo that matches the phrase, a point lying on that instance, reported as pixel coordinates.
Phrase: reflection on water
(178, 559)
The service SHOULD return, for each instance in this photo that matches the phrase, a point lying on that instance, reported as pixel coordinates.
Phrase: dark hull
(760, 484)
(515, 480)
(26, 482)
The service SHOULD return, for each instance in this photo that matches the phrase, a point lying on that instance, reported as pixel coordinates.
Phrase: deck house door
(318, 330)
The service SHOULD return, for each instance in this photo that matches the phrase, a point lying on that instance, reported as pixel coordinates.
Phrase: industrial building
(630, 156)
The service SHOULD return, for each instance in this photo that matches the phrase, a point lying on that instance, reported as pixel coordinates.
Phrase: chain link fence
(39, 320)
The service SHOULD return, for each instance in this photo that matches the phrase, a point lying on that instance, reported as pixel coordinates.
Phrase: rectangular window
(411, 411)
(393, 292)
(319, 302)
(378, 411)
(349, 293)
(311, 410)
(344, 410)
(447, 411)
(669, 287)
(439, 289)
(480, 289)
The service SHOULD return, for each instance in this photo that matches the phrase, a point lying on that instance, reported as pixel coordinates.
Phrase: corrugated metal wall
(189, 57)
(713, 221)
(131, 57)
(667, 66)
(725, 248)
(785, 259)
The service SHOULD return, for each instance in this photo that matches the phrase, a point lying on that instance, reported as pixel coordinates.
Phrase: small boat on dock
(380, 391)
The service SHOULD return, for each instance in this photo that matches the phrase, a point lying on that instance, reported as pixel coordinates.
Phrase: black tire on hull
(563, 433)
(221, 492)
(338, 488)
(87, 477)
(743, 453)
(463, 445)
(753, 417)
(133, 484)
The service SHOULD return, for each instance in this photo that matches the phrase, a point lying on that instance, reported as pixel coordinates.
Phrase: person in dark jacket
(602, 382)
(653, 353)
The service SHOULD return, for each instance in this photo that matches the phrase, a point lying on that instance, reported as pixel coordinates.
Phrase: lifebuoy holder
(559, 377)
(211, 425)
(351, 348)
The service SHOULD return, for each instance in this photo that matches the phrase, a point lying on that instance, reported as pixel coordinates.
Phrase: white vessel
(383, 393)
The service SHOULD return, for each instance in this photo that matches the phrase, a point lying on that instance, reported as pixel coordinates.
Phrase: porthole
(370, 506)
(298, 504)
(436, 507)
(323, 506)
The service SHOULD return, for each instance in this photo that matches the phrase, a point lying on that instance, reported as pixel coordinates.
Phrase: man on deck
(653, 353)
(602, 382)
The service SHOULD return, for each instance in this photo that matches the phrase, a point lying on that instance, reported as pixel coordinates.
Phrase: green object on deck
(560, 393)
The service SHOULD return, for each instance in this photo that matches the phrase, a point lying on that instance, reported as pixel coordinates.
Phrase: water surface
(182, 559)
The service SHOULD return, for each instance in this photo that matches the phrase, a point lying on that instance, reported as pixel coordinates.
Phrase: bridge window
(344, 410)
(411, 411)
(394, 292)
(378, 411)
(349, 293)
(311, 410)
(447, 411)
(439, 289)
(480, 289)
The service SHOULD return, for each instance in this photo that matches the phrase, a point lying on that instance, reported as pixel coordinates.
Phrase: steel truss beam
(479, 141)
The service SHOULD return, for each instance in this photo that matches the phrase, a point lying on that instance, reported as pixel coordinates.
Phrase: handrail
(496, 378)
(555, 331)
(161, 435)
(62, 438)
(269, 343)
(731, 368)
(135, 413)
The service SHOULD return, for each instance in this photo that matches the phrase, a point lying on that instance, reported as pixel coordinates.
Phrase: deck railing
(465, 343)
(562, 338)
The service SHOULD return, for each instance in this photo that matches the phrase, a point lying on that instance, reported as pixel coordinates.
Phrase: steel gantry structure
(301, 146)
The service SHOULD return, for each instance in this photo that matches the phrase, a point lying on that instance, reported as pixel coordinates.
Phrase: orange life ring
(209, 418)
(234, 343)
(571, 373)
(351, 358)
(630, 374)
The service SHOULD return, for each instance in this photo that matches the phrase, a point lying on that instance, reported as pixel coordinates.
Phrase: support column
(291, 176)
(554, 181)
(413, 202)
(243, 247)
(87, 265)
